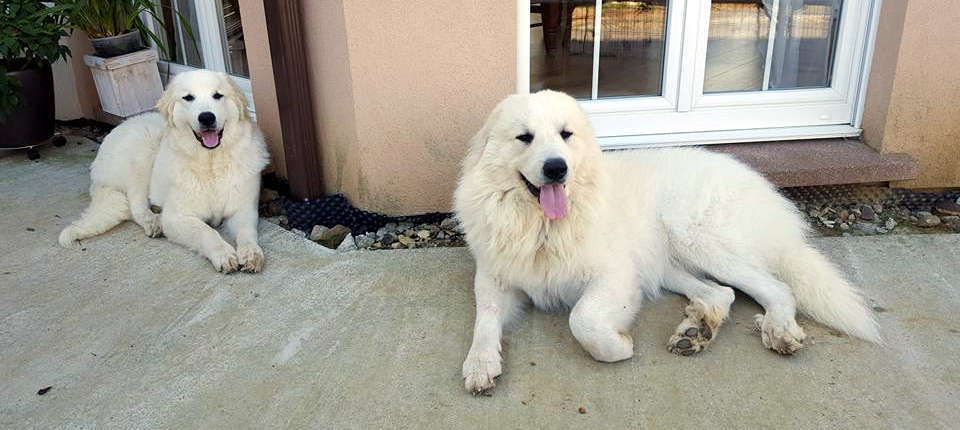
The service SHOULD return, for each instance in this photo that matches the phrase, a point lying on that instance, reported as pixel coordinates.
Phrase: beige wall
(914, 86)
(398, 89)
(76, 94)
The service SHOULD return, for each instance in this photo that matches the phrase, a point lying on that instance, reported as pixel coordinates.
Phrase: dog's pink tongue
(210, 138)
(553, 201)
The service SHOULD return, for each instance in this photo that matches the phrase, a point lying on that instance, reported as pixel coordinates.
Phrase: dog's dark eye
(188, 97)
(525, 138)
(565, 134)
(217, 96)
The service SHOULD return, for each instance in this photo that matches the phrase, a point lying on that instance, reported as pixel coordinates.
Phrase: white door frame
(684, 115)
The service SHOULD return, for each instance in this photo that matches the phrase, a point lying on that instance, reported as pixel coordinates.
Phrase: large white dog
(199, 159)
(552, 220)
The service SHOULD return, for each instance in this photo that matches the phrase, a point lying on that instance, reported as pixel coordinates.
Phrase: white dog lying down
(552, 220)
(199, 158)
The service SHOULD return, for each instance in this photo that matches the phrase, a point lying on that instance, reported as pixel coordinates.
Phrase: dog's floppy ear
(237, 96)
(479, 141)
(167, 101)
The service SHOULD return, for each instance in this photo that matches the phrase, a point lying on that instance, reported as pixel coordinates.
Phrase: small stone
(274, 208)
(881, 230)
(268, 195)
(865, 228)
(333, 237)
(405, 240)
(844, 214)
(844, 226)
(317, 233)
(890, 224)
(450, 223)
(409, 232)
(388, 239)
(299, 232)
(396, 245)
(867, 213)
(582, 410)
(950, 219)
(946, 207)
(405, 226)
(423, 234)
(348, 244)
(441, 235)
(913, 218)
(878, 208)
(814, 213)
(827, 222)
(388, 228)
(926, 219)
(365, 241)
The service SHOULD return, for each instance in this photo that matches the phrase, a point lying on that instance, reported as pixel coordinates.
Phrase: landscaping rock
(268, 195)
(890, 224)
(333, 237)
(366, 240)
(926, 219)
(865, 228)
(946, 207)
(317, 233)
(867, 213)
(348, 244)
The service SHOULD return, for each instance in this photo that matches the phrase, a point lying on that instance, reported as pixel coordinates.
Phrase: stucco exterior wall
(399, 88)
(914, 86)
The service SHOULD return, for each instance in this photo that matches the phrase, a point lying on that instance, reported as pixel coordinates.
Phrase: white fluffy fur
(685, 220)
(156, 158)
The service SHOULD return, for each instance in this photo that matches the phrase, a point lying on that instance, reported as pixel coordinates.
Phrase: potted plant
(115, 27)
(124, 71)
(30, 34)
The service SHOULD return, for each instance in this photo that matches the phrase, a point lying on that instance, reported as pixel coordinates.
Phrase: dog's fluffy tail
(108, 207)
(823, 294)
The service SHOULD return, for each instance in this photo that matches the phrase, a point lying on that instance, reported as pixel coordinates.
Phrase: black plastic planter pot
(107, 47)
(32, 123)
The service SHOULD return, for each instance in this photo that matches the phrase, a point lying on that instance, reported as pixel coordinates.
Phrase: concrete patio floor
(134, 332)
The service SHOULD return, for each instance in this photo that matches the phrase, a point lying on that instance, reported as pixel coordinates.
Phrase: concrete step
(821, 162)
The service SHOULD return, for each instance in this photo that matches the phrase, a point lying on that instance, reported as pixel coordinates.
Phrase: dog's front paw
(225, 261)
(480, 371)
(152, 226)
(250, 258)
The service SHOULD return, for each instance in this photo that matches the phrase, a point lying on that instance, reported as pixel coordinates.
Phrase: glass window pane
(632, 41)
(561, 46)
(736, 46)
(804, 43)
(183, 49)
(233, 39)
(189, 46)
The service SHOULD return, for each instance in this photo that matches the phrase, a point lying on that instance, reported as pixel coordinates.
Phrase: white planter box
(128, 84)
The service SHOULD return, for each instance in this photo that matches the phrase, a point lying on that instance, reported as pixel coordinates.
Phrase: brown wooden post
(289, 59)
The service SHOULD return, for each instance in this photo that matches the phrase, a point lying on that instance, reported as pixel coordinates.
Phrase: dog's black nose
(207, 119)
(555, 169)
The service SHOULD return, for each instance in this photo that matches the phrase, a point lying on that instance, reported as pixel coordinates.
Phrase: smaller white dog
(199, 159)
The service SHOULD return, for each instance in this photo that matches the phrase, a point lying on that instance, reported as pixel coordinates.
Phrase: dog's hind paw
(780, 334)
(697, 329)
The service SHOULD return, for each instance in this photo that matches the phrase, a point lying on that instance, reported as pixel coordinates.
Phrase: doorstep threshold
(797, 163)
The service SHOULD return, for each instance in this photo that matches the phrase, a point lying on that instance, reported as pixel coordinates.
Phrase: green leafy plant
(30, 34)
(107, 18)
